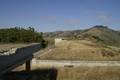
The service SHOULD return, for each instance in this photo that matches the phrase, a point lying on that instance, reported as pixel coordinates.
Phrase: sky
(56, 15)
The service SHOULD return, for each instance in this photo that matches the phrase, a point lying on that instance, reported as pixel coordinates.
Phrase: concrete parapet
(64, 63)
(21, 56)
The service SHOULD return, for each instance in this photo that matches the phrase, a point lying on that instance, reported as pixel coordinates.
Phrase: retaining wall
(68, 63)
(21, 56)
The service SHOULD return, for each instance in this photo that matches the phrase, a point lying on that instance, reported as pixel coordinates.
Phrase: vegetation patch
(21, 35)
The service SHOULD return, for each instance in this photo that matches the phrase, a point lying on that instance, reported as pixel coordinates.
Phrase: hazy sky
(52, 15)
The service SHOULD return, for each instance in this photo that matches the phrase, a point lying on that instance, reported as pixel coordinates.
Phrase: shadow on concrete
(21, 55)
(39, 74)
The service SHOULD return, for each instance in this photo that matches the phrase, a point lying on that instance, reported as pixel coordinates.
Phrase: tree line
(21, 35)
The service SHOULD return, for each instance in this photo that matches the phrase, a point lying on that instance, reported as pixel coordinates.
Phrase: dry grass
(82, 50)
(83, 73)
(91, 73)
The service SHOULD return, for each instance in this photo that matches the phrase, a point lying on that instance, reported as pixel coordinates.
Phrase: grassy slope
(98, 34)
(82, 50)
(102, 35)
(91, 73)
(96, 43)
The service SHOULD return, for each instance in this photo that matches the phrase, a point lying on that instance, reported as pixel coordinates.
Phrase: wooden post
(28, 65)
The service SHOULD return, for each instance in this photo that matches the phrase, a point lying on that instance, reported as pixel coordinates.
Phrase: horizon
(59, 15)
(61, 30)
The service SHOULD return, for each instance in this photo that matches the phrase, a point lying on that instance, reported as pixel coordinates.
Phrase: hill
(96, 43)
(68, 34)
(98, 34)
(101, 34)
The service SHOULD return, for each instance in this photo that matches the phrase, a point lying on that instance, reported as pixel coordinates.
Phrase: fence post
(28, 65)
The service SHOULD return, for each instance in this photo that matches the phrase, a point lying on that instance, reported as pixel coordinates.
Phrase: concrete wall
(68, 63)
(20, 56)
(58, 40)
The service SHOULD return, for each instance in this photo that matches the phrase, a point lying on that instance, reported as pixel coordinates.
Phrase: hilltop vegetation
(20, 35)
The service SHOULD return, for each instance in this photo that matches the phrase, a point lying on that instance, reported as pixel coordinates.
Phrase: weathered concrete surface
(23, 54)
(68, 63)
(9, 52)
(6, 47)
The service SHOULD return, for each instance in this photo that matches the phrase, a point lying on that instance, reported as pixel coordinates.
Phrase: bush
(21, 35)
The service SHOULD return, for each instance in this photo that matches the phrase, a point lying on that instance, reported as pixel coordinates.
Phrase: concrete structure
(59, 40)
(9, 52)
(70, 63)
(21, 56)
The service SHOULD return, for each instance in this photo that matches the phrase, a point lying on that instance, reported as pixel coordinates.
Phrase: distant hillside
(118, 32)
(68, 34)
(99, 34)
